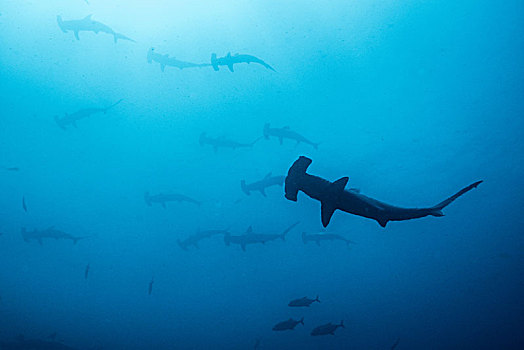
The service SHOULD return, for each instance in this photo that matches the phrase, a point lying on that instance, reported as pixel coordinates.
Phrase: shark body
(286, 133)
(165, 60)
(261, 185)
(230, 60)
(332, 196)
(255, 238)
(71, 119)
(87, 24)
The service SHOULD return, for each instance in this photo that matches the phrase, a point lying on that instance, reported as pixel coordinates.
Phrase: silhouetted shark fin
(339, 185)
(76, 35)
(437, 209)
(263, 192)
(249, 230)
(244, 187)
(230, 66)
(382, 222)
(326, 211)
(162, 67)
(281, 140)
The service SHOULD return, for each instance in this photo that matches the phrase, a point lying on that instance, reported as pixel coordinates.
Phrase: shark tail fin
(316, 299)
(244, 187)
(60, 23)
(437, 209)
(214, 62)
(147, 198)
(342, 324)
(59, 122)
(304, 237)
(266, 131)
(113, 105)
(301, 320)
(117, 36)
(286, 231)
(298, 169)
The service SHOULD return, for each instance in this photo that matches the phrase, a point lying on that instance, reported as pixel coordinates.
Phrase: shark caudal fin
(58, 122)
(298, 169)
(317, 300)
(117, 36)
(214, 62)
(342, 324)
(147, 198)
(266, 131)
(286, 231)
(60, 23)
(301, 321)
(328, 207)
(244, 187)
(437, 209)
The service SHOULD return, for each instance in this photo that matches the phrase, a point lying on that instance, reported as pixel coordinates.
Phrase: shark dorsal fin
(268, 175)
(229, 54)
(88, 17)
(249, 230)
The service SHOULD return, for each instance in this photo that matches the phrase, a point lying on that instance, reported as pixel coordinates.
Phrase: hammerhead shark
(253, 238)
(200, 235)
(286, 133)
(332, 196)
(86, 24)
(164, 198)
(217, 143)
(317, 237)
(165, 60)
(229, 61)
(49, 232)
(261, 185)
(71, 119)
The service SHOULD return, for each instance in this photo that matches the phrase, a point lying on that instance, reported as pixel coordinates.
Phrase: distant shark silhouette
(286, 133)
(71, 119)
(200, 235)
(86, 24)
(317, 237)
(253, 238)
(261, 185)
(51, 232)
(217, 143)
(164, 198)
(332, 196)
(165, 60)
(229, 61)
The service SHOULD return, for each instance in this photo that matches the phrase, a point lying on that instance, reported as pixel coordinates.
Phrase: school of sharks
(336, 198)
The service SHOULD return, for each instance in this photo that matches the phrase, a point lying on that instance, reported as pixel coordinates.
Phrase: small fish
(327, 329)
(288, 324)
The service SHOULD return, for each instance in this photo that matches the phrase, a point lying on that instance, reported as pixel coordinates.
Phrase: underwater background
(412, 100)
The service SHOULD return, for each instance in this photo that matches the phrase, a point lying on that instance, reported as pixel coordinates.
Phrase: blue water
(412, 100)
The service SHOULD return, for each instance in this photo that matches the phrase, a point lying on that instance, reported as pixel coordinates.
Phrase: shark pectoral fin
(162, 67)
(230, 66)
(76, 35)
(263, 192)
(281, 140)
(382, 222)
(326, 210)
(243, 247)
